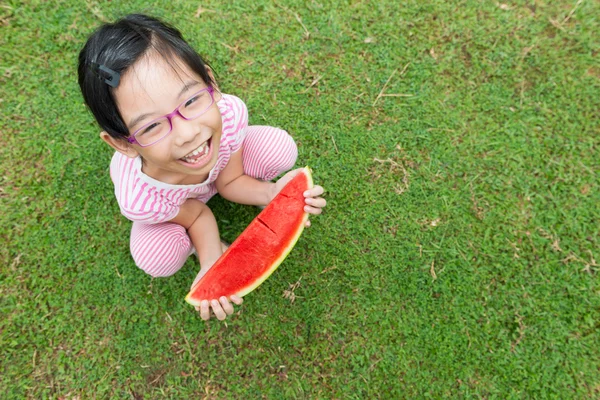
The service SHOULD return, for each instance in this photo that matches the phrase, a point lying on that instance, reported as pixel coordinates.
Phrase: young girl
(178, 142)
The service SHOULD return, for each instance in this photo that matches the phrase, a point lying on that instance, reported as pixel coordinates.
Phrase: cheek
(158, 152)
(217, 120)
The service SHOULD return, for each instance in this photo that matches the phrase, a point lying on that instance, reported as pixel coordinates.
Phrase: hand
(314, 203)
(221, 308)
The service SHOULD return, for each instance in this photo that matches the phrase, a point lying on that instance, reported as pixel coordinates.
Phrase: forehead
(151, 83)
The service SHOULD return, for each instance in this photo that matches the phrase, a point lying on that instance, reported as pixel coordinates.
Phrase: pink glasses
(158, 129)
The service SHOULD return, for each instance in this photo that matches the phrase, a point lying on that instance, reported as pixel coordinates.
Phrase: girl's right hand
(221, 307)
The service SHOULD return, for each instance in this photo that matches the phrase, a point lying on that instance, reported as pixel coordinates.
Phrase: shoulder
(234, 114)
(120, 165)
(139, 198)
(233, 110)
(230, 102)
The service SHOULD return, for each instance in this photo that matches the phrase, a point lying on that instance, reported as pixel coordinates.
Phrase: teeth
(197, 151)
(191, 156)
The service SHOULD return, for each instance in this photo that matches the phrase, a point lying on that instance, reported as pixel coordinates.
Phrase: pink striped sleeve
(140, 201)
(235, 122)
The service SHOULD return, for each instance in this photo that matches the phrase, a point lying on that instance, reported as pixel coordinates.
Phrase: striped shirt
(144, 199)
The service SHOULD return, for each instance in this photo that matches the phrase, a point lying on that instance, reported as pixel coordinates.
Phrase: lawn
(458, 255)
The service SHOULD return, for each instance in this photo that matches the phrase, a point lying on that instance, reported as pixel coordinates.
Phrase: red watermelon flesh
(259, 250)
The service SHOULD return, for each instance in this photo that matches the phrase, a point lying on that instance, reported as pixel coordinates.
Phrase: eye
(152, 127)
(194, 99)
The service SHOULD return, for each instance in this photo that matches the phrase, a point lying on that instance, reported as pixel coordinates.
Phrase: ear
(212, 76)
(120, 145)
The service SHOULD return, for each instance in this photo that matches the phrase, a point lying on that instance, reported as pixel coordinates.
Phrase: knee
(281, 154)
(162, 258)
(154, 267)
(268, 152)
(159, 270)
(290, 152)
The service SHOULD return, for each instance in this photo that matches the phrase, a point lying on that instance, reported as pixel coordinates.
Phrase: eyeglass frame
(131, 139)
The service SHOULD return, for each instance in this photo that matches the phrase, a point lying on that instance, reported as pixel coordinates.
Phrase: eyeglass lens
(192, 108)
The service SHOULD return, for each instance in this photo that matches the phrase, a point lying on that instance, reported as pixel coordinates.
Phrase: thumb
(281, 182)
(290, 175)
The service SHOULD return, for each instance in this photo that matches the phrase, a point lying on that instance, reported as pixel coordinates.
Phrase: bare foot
(224, 246)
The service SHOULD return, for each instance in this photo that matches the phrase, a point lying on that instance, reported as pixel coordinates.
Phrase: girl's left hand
(314, 203)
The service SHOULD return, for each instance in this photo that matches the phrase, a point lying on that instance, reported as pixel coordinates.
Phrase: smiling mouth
(199, 154)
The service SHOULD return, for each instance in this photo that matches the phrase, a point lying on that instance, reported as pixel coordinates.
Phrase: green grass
(458, 254)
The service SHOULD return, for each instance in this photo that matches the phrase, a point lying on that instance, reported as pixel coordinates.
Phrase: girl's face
(152, 88)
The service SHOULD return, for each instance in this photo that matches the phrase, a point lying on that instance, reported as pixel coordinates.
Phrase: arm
(238, 187)
(201, 225)
(235, 186)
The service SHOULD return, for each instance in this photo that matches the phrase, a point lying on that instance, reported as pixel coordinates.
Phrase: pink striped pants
(161, 249)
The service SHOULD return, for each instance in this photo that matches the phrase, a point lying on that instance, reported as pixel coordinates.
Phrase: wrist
(208, 260)
(271, 192)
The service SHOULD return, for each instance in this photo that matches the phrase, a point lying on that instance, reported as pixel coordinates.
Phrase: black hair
(118, 46)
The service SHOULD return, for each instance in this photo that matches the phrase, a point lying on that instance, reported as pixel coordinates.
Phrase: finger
(204, 310)
(218, 310)
(236, 299)
(307, 223)
(314, 192)
(316, 201)
(312, 210)
(227, 307)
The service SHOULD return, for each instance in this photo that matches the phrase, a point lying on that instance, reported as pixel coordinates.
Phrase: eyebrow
(187, 86)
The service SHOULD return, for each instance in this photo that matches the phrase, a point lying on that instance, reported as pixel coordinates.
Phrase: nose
(183, 130)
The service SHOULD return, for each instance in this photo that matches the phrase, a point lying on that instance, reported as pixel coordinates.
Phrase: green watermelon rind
(276, 263)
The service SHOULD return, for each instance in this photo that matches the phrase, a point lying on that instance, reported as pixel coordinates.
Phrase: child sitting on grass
(178, 142)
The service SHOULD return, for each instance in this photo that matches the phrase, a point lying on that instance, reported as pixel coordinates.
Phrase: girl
(178, 142)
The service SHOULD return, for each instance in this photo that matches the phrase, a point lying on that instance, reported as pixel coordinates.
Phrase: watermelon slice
(259, 250)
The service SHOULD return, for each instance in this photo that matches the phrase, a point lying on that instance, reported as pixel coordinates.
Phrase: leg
(160, 250)
(268, 152)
